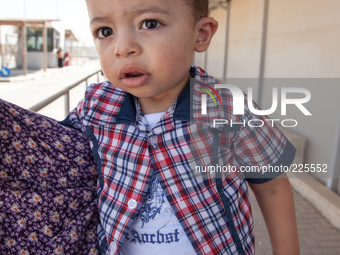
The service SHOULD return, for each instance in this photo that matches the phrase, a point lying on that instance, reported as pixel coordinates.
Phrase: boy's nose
(126, 45)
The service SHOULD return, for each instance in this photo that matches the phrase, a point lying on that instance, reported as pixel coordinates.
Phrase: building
(39, 48)
(35, 43)
(262, 44)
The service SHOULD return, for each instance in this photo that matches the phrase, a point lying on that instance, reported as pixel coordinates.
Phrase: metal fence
(65, 92)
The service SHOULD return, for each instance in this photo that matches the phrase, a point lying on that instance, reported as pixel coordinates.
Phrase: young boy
(145, 140)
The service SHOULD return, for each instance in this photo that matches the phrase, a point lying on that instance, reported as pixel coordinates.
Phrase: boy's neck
(161, 103)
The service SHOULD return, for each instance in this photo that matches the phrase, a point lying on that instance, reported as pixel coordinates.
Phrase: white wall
(303, 41)
(215, 60)
(244, 43)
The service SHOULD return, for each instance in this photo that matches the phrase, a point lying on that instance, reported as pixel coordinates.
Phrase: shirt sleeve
(73, 118)
(261, 149)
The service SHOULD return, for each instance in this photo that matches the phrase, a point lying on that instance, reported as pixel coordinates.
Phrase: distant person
(66, 59)
(145, 139)
(60, 57)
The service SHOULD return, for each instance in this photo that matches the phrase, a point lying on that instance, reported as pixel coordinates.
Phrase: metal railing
(65, 92)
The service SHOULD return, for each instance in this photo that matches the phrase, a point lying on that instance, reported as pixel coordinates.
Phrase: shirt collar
(128, 113)
(183, 104)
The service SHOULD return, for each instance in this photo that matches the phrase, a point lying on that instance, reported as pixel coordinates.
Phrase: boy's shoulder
(102, 103)
(211, 99)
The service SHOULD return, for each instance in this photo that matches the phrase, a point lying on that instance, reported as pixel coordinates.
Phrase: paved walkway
(27, 91)
(317, 236)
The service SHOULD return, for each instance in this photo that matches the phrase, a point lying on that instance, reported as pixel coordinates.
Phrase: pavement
(36, 86)
(317, 236)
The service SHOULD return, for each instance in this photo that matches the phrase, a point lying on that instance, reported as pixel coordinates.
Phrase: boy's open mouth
(133, 76)
(131, 72)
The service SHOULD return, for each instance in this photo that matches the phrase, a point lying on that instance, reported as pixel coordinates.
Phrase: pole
(333, 178)
(263, 51)
(24, 10)
(24, 48)
(1, 55)
(44, 34)
(57, 9)
(225, 64)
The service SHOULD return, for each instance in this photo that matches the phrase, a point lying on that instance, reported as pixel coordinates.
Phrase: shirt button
(154, 141)
(132, 204)
(113, 248)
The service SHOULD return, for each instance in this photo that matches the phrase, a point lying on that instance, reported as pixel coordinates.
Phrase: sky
(72, 13)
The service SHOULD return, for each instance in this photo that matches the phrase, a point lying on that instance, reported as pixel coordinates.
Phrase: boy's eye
(150, 24)
(104, 32)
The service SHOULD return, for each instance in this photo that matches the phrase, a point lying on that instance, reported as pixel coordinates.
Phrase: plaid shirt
(213, 208)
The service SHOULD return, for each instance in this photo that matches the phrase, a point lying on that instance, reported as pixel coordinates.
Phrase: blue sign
(5, 72)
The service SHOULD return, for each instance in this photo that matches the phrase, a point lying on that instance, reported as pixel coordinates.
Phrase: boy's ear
(206, 28)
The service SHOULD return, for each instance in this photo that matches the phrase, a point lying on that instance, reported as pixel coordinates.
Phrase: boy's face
(145, 47)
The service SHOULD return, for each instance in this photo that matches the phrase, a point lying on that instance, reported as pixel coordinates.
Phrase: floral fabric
(48, 199)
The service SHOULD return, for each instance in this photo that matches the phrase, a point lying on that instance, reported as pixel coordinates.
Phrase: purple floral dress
(47, 186)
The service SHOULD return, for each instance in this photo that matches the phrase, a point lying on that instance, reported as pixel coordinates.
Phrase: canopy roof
(214, 4)
(19, 22)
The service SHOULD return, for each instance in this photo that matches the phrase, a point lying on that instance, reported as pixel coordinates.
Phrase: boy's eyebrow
(99, 19)
(147, 9)
(134, 12)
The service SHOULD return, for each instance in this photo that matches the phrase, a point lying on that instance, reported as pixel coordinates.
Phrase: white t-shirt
(156, 230)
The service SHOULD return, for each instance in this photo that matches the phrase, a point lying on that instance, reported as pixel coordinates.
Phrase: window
(35, 39)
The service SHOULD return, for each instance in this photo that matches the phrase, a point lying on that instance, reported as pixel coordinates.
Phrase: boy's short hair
(199, 7)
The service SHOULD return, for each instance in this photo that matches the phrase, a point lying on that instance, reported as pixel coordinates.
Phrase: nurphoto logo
(238, 104)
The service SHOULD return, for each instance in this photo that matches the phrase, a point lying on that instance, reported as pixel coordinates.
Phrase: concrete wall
(244, 38)
(303, 39)
(302, 50)
(214, 57)
(35, 60)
